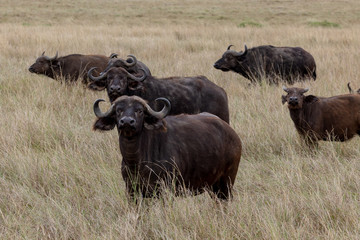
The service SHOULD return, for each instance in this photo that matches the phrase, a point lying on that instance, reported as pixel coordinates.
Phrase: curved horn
(100, 77)
(229, 47)
(98, 112)
(245, 51)
(54, 57)
(350, 90)
(43, 53)
(133, 58)
(165, 111)
(138, 79)
(238, 54)
(305, 90)
(285, 89)
(113, 55)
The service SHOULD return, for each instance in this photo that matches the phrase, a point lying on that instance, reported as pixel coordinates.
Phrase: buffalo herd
(175, 130)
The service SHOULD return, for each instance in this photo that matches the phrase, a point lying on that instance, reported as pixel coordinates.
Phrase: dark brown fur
(70, 67)
(194, 152)
(189, 95)
(318, 118)
(288, 64)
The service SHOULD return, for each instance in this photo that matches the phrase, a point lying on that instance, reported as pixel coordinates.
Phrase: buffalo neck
(299, 117)
(133, 149)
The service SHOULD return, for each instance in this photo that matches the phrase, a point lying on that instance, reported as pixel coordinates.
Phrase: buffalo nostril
(122, 121)
(132, 122)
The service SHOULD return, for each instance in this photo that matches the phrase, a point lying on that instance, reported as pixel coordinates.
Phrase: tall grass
(61, 180)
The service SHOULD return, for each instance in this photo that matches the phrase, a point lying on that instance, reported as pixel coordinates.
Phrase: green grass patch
(324, 23)
(249, 24)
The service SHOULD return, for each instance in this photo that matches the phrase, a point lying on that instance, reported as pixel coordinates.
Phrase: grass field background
(61, 180)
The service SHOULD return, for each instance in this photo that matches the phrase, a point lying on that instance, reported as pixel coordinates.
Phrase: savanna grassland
(61, 180)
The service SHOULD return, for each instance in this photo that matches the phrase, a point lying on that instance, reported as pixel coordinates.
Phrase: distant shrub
(324, 24)
(249, 24)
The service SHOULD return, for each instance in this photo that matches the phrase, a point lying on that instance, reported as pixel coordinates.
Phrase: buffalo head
(116, 80)
(44, 64)
(130, 114)
(295, 97)
(230, 59)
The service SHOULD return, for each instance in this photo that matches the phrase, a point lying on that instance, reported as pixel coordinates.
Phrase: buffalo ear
(97, 85)
(311, 99)
(283, 99)
(152, 123)
(133, 85)
(55, 63)
(104, 124)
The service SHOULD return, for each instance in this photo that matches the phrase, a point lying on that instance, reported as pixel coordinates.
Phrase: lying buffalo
(351, 91)
(189, 95)
(317, 118)
(70, 67)
(288, 64)
(131, 64)
(195, 152)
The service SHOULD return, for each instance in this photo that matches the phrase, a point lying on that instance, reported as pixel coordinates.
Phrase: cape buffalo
(351, 91)
(131, 64)
(288, 64)
(70, 67)
(194, 152)
(189, 95)
(318, 118)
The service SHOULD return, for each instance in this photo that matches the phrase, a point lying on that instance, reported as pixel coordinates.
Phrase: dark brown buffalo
(189, 95)
(70, 67)
(318, 118)
(131, 64)
(194, 152)
(351, 91)
(287, 64)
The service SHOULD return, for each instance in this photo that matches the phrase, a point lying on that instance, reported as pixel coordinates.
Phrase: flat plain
(61, 180)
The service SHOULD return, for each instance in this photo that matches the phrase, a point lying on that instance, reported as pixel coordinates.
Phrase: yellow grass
(61, 180)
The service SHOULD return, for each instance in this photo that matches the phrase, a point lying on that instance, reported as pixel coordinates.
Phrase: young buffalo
(195, 152)
(317, 118)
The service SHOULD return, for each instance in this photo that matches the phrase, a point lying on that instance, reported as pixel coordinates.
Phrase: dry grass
(61, 180)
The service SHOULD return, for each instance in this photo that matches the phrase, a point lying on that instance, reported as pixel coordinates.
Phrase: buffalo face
(44, 64)
(116, 80)
(230, 60)
(130, 114)
(295, 97)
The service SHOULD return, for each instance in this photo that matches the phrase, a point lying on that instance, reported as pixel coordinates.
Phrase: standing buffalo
(288, 64)
(194, 152)
(189, 95)
(317, 118)
(70, 67)
(351, 91)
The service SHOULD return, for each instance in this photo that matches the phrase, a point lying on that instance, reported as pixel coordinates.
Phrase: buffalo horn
(98, 112)
(304, 90)
(133, 63)
(163, 112)
(100, 77)
(54, 57)
(285, 89)
(138, 79)
(229, 47)
(113, 55)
